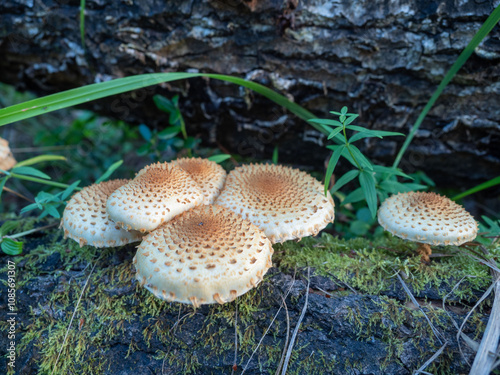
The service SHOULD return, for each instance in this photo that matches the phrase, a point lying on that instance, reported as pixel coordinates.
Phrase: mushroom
(158, 193)
(209, 175)
(205, 255)
(428, 219)
(285, 203)
(7, 161)
(86, 221)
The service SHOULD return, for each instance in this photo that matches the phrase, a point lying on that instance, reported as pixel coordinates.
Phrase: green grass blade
(39, 159)
(82, 23)
(109, 171)
(219, 158)
(485, 185)
(490, 22)
(100, 90)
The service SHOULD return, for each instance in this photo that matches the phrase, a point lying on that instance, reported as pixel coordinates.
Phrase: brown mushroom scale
(205, 255)
(86, 221)
(209, 175)
(284, 202)
(157, 194)
(428, 219)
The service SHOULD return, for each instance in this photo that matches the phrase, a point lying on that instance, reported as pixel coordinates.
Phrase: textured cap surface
(209, 175)
(7, 161)
(427, 218)
(157, 194)
(205, 255)
(86, 221)
(284, 202)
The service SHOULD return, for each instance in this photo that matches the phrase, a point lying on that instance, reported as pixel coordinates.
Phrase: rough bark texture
(383, 59)
(120, 328)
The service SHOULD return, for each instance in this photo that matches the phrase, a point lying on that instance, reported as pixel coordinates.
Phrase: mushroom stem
(424, 250)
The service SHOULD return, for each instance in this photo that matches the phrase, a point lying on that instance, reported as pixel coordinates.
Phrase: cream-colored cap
(7, 161)
(157, 194)
(86, 221)
(285, 203)
(427, 218)
(209, 175)
(205, 255)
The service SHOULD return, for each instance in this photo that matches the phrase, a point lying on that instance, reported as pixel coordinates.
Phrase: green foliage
(375, 181)
(489, 231)
(10, 246)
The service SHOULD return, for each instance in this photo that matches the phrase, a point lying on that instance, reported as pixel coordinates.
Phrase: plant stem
(41, 181)
(347, 146)
(25, 233)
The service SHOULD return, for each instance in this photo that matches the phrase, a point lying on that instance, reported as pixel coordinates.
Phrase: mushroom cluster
(204, 238)
(427, 219)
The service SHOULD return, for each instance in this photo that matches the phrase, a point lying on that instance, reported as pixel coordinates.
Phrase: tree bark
(382, 59)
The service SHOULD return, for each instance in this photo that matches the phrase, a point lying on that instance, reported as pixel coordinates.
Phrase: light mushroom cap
(7, 161)
(86, 221)
(427, 218)
(157, 194)
(209, 175)
(285, 203)
(205, 255)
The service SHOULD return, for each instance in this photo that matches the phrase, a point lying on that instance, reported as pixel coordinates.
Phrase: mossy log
(383, 59)
(358, 318)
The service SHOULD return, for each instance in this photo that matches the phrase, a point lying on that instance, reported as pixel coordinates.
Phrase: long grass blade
(485, 185)
(487, 26)
(100, 90)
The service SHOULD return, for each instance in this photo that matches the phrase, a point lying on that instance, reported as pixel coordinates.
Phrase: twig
(287, 336)
(489, 347)
(18, 194)
(296, 330)
(268, 328)
(235, 336)
(415, 302)
(34, 230)
(430, 360)
(73, 316)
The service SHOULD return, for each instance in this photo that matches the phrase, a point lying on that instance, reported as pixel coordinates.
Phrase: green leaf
(485, 29)
(323, 121)
(52, 211)
(334, 133)
(191, 142)
(373, 133)
(145, 132)
(395, 187)
(364, 215)
(30, 207)
(367, 182)
(332, 164)
(360, 157)
(3, 180)
(275, 155)
(359, 228)
(346, 178)
(169, 132)
(11, 247)
(39, 159)
(66, 193)
(350, 119)
(219, 158)
(30, 171)
(369, 134)
(109, 171)
(163, 104)
(391, 171)
(8, 226)
(355, 196)
(344, 110)
(143, 150)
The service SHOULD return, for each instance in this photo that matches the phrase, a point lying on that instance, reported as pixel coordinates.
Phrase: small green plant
(172, 139)
(376, 181)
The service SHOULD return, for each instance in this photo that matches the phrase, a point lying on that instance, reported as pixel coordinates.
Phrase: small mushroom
(158, 193)
(86, 221)
(284, 202)
(7, 161)
(205, 255)
(209, 175)
(427, 219)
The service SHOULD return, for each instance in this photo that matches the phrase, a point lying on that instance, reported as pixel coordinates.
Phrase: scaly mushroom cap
(427, 218)
(284, 202)
(205, 255)
(86, 221)
(157, 194)
(209, 175)
(7, 161)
